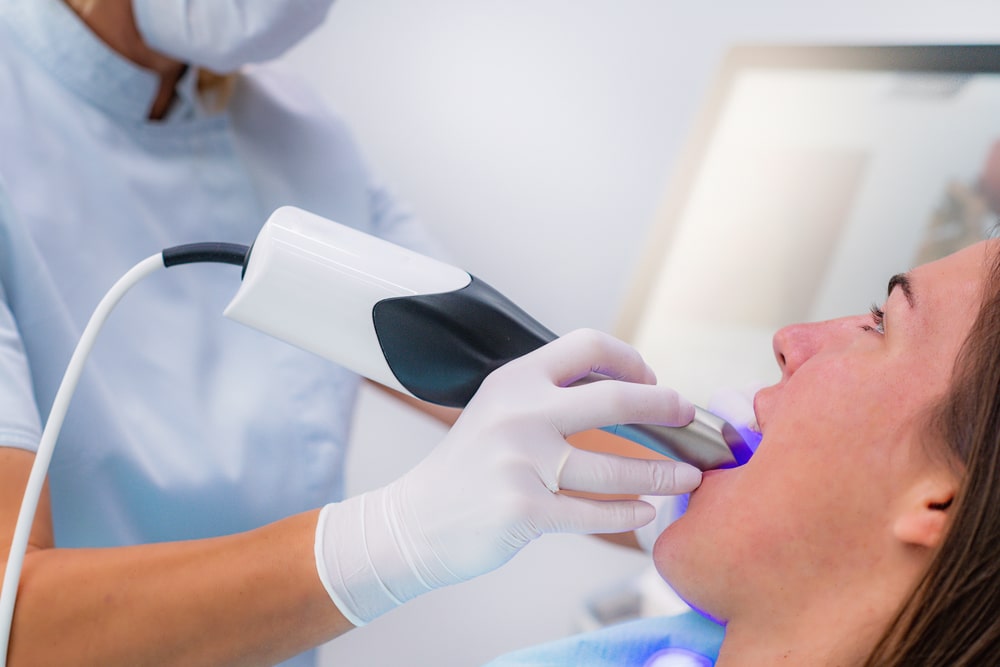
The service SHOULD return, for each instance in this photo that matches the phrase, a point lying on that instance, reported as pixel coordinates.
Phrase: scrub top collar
(65, 46)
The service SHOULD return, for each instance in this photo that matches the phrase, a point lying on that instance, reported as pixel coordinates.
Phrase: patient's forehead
(954, 284)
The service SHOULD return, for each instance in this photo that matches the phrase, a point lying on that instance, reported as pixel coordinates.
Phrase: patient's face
(840, 445)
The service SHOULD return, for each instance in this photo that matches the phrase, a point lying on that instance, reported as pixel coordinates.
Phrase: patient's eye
(878, 320)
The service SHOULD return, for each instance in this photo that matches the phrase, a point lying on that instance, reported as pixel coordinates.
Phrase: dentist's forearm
(247, 599)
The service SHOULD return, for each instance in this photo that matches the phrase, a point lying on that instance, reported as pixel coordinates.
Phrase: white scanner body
(314, 283)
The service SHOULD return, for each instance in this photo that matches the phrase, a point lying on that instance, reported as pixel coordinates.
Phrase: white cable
(50, 434)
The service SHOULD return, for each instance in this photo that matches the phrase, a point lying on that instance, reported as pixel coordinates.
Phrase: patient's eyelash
(878, 320)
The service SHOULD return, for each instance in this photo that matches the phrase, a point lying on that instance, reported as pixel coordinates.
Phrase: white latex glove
(493, 483)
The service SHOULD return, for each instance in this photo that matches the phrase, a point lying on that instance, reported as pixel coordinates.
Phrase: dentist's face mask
(222, 35)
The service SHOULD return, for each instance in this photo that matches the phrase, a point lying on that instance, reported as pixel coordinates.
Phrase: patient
(866, 529)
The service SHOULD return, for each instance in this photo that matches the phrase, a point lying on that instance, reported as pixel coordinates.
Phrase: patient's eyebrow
(901, 280)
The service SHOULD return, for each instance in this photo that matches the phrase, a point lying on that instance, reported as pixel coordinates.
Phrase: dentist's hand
(494, 483)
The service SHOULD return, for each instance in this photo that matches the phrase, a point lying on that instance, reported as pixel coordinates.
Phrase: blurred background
(536, 140)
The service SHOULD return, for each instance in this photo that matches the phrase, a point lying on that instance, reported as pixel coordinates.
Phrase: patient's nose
(795, 344)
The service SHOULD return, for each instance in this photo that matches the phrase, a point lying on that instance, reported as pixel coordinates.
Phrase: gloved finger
(593, 472)
(580, 352)
(609, 402)
(568, 514)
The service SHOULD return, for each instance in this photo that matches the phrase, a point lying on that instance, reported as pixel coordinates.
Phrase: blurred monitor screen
(813, 175)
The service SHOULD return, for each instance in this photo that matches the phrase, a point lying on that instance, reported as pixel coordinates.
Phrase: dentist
(194, 512)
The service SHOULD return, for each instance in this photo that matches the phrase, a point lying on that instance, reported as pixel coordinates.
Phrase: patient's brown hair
(953, 616)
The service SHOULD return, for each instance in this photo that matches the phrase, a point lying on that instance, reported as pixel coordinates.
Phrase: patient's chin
(668, 552)
(679, 562)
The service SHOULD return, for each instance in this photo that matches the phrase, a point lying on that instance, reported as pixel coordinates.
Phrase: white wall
(535, 138)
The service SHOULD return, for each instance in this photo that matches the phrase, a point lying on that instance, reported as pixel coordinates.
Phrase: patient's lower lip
(708, 474)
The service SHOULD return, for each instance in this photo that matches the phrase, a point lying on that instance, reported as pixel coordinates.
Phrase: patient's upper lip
(756, 412)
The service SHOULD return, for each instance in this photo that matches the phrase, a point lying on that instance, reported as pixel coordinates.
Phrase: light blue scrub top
(685, 640)
(185, 425)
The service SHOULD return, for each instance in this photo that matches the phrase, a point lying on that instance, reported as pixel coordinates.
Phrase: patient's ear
(924, 514)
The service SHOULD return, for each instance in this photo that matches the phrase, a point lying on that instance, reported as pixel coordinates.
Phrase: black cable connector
(220, 253)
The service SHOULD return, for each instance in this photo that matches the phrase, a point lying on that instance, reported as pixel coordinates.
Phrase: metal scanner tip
(708, 442)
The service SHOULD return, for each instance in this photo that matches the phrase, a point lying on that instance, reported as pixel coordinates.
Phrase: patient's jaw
(817, 540)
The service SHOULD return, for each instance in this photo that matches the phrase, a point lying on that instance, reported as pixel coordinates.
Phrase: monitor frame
(930, 58)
